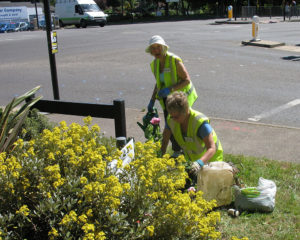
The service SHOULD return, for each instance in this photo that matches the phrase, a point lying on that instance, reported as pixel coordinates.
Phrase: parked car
(42, 24)
(21, 26)
(7, 27)
(11, 27)
(3, 27)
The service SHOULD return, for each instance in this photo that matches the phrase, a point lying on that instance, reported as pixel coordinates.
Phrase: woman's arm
(153, 97)
(210, 147)
(165, 140)
(182, 75)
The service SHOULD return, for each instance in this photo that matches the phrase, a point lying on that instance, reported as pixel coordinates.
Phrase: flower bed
(61, 186)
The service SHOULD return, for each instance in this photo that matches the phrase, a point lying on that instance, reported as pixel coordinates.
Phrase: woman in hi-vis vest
(171, 76)
(193, 132)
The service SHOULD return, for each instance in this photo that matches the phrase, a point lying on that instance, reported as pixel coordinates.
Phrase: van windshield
(90, 7)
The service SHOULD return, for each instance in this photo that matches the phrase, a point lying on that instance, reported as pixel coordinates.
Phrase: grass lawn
(284, 222)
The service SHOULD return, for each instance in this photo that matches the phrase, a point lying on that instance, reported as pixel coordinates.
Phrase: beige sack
(215, 181)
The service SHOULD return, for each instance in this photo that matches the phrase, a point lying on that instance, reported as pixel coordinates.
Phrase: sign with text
(10, 13)
(54, 42)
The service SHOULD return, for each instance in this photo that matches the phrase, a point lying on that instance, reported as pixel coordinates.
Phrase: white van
(79, 12)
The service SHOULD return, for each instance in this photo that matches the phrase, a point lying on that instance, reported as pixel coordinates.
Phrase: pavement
(262, 20)
(237, 137)
(261, 42)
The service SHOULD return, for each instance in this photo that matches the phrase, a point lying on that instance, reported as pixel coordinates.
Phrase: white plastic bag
(263, 200)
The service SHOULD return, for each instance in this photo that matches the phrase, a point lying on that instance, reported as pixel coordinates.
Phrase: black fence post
(51, 55)
(120, 118)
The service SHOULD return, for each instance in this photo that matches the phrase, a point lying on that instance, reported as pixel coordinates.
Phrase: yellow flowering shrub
(62, 185)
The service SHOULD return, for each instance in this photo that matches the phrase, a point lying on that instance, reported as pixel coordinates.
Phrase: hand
(151, 105)
(164, 92)
(196, 166)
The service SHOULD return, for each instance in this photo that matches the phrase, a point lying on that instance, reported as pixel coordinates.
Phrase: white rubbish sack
(261, 198)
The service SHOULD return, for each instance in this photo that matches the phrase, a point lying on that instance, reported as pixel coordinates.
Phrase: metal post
(37, 15)
(235, 10)
(122, 9)
(120, 118)
(51, 55)
(284, 3)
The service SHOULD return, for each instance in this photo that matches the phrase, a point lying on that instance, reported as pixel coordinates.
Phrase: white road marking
(275, 110)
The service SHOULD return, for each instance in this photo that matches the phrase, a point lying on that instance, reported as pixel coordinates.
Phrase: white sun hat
(156, 40)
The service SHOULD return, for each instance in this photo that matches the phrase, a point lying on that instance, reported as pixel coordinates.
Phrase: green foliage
(152, 132)
(67, 184)
(52, 2)
(11, 118)
(34, 125)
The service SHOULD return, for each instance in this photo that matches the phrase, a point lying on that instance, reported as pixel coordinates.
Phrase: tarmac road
(243, 84)
(237, 137)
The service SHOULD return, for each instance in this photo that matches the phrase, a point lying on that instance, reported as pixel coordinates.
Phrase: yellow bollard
(255, 22)
(229, 12)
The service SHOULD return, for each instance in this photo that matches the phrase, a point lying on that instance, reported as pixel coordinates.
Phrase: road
(95, 64)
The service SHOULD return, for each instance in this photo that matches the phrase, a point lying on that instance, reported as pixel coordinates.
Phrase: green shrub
(61, 185)
(12, 118)
(34, 125)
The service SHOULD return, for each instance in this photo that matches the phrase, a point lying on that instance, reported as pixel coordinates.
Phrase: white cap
(156, 40)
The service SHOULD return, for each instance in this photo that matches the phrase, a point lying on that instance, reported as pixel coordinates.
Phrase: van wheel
(83, 23)
(77, 25)
(61, 24)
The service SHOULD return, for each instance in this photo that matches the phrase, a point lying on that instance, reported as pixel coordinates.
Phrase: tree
(101, 3)
(114, 3)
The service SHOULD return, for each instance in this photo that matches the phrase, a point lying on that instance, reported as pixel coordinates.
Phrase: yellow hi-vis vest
(192, 145)
(170, 78)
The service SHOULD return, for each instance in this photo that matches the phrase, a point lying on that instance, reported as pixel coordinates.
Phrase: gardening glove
(151, 105)
(164, 92)
(196, 166)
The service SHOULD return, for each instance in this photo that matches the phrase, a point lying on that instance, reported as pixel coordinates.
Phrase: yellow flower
(100, 236)
(53, 232)
(65, 221)
(150, 229)
(73, 215)
(23, 211)
(19, 143)
(82, 218)
(95, 128)
(58, 183)
(83, 180)
(51, 156)
(89, 213)
(87, 120)
(49, 195)
(88, 228)
(89, 236)
(126, 186)
(63, 125)
(31, 151)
